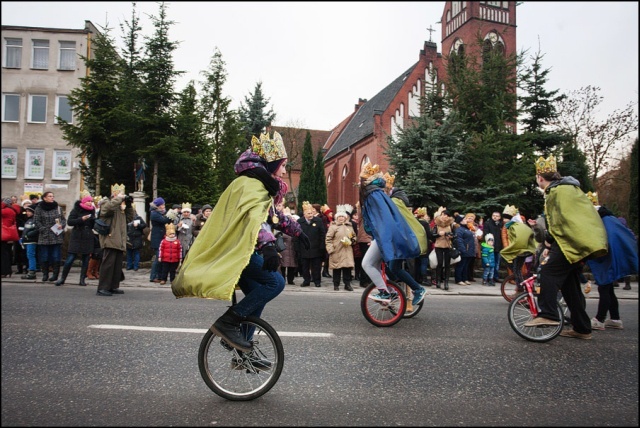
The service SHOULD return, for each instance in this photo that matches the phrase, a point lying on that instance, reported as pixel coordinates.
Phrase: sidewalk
(140, 278)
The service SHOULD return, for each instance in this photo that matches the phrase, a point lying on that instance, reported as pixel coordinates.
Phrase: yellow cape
(224, 246)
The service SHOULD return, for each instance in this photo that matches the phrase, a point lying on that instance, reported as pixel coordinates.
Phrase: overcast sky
(315, 59)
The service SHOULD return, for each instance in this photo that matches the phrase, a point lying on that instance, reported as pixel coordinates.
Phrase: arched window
(328, 179)
(365, 160)
(345, 171)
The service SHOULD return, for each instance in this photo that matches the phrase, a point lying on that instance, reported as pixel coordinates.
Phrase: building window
(61, 165)
(37, 109)
(365, 160)
(10, 107)
(345, 171)
(63, 109)
(40, 54)
(34, 164)
(13, 53)
(329, 179)
(67, 56)
(9, 163)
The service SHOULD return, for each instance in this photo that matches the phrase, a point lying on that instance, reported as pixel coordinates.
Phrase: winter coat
(134, 233)
(81, 239)
(494, 228)
(158, 221)
(316, 233)
(185, 232)
(45, 216)
(289, 256)
(170, 251)
(442, 225)
(340, 255)
(488, 259)
(30, 233)
(199, 224)
(9, 225)
(112, 214)
(465, 241)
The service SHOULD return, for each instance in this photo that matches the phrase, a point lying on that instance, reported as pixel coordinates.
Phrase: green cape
(225, 244)
(574, 223)
(414, 224)
(521, 241)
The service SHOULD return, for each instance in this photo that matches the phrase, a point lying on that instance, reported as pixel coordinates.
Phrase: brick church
(362, 136)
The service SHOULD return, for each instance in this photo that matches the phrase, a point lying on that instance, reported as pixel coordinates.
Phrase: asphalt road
(456, 363)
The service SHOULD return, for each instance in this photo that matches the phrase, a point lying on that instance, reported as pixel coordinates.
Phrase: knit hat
(7, 201)
(488, 236)
(25, 202)
(206, 207)
(30, 208)
(86, 199)
(158, 201)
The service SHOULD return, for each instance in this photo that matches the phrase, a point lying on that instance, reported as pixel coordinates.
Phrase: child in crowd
(30, 242)
(488, 261)
(169, 254)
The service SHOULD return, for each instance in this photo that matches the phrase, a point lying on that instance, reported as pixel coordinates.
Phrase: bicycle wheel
(412, 310)
(519, 313)
(237, 375)
(383, 314)
(508, 288)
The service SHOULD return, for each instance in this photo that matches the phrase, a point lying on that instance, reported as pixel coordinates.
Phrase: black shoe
(337, 288)
(228, 328)
(305, 284)
(104, 293)
(117, 291)
(627, 287)
(326, 275)
(318, 285)
(348, 288)
(364, 285)
(291, 283)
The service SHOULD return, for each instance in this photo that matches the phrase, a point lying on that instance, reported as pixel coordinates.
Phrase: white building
(40, 67)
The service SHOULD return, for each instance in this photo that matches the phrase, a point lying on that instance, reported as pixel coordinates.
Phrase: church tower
(464, 21)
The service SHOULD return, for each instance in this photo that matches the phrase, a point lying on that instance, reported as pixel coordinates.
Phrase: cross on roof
(430, 30)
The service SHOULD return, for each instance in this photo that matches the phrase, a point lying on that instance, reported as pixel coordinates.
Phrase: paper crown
(306, 206)
(546, 165)
(170, 228)
(421, 211)
(84, 193)
(325, 209)
(267, 148)
(348, 208)
(510, 210)
(341, 211)
(369, 171)
(97, 199)
(390, 179)
(186, 206)
(593, 197)
(117, 188)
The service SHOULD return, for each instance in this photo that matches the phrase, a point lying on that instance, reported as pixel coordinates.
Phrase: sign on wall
(9, 163)
(34, 164)
(61, 165)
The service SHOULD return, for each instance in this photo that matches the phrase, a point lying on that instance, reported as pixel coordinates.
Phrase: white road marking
(200, 330)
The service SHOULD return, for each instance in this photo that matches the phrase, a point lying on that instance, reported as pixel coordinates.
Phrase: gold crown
(369, 170)
(306, 206)
(117, 188)
(170, 228)
(421, 211)
(593, 197)
(390, 179)
(324, 208)
(267, 148)
(510, 210)
(546, 165)
(97, 199)
(84, 193)
(186, 206)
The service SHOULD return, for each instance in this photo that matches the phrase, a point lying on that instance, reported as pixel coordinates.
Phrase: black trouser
(558, 274)
(362, 275)
(289, 273)
(345, 273)
(311, 269)
(608, 302)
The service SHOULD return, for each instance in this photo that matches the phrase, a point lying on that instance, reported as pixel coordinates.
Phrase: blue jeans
(396, 267)
(259, 287)
(462, 269)
(31, 250)
(487, 274)
(133, 258)
(72, 256)
(496, 256)
(50, 253)
(155, 265)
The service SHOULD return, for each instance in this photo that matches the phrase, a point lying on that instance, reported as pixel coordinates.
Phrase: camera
(449, 234)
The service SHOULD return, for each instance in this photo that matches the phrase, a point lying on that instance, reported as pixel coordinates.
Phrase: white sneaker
(596, 325)
(613, 324)
(467, 282)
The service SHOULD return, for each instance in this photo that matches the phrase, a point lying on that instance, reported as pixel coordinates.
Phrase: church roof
(361, 124)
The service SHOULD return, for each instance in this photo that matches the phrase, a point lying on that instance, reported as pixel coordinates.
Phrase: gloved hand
(304, 240)
(271, 258)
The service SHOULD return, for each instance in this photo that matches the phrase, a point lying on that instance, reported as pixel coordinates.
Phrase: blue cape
(622, 258)
(391, 231)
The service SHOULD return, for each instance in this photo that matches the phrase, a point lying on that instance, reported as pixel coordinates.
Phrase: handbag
(9, 233)
(280, 245)
(433, 259)
(102, 227)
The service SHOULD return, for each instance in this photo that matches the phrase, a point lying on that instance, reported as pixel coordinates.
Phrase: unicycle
(237, 375)
(384, 313)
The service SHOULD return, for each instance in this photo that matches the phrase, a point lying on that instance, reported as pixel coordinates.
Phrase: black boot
(65, 272)
(347, 286)
(30, 275)
(336, 286)
(45, 271)
(56, 271)
(228, 328)
(83, 274)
